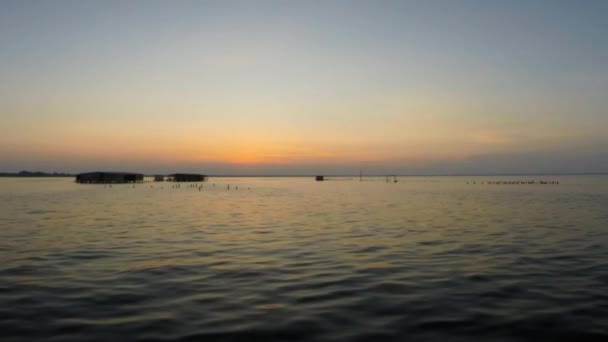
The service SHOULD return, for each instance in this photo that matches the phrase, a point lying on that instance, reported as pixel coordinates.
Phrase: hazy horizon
(293, 88)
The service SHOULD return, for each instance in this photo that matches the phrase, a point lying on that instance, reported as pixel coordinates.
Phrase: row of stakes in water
(194, 186)
(516, 182)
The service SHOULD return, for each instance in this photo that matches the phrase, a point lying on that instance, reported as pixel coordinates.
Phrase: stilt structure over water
(394, 179)
(187, 177)
(109, 177)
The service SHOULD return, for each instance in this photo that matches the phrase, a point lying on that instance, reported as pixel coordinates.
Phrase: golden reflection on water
(272, 306)
(343, 221)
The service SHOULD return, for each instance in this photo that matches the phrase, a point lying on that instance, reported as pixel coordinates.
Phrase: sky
(304, 87)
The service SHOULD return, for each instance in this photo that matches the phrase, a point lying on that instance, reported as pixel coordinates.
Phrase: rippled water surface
(280, 259)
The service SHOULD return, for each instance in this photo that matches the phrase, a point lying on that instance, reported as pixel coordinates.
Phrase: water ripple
(295, 260)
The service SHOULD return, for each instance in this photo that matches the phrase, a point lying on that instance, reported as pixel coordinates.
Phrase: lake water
(282, 259)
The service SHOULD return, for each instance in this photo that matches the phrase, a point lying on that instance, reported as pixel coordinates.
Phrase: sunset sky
(304, 87)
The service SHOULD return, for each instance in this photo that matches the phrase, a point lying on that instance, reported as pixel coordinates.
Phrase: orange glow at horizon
(242, 152)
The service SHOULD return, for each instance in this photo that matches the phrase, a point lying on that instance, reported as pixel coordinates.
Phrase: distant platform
(186, 177)
(109, 177)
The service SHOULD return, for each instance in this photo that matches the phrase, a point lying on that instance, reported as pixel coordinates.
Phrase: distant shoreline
(26, 174)
(424, 175)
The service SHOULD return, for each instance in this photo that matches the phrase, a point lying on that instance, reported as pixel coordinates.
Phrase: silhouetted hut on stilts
(187, 177)
(109, 177)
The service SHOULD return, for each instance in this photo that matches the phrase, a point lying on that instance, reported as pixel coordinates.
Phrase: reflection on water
(429, 258)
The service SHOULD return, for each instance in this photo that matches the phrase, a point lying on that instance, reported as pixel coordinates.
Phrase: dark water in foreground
(428, 258)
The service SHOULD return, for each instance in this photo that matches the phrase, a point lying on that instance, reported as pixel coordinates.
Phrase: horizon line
(66, 174)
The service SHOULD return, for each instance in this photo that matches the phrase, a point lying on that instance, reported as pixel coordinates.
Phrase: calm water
(428, 258)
